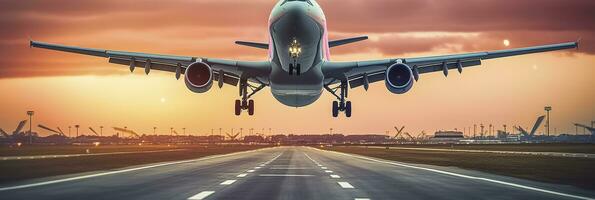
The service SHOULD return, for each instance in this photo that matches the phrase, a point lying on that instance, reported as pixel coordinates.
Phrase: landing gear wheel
(335, 108)
(251, 107)
(290, 69)
(238, 108)
(348, 109)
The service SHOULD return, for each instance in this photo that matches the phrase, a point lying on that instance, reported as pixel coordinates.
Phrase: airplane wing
(233, 70)
(361, 73)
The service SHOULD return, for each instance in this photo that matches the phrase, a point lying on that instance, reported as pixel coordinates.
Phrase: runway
(288, 173)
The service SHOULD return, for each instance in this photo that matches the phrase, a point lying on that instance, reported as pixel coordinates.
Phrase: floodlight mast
(547, 122)
(30, 113)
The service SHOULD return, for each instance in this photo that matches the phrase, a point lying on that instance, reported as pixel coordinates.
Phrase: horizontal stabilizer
(340, 42)
(253, 44)
(4, 133)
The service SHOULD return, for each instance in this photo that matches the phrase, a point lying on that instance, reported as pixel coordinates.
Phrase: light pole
(490, 129)
(474, 130)
(154, 130)
(101, 131)
(183, 131)
(331, 131)
(77, 130)
(481, 133)
(547, 122)
(30, 113)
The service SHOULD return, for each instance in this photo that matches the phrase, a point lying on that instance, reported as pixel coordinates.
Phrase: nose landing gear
(295, 50)
(295, 67)
(341, 105)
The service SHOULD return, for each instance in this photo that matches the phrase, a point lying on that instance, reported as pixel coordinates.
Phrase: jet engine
(199, 77)
(399, 78)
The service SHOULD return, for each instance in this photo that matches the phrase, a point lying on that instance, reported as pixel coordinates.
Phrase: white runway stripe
(361, 199)
(323, 167)
(335, 176)
(228, 182)
(242, 175)
(286, 175)
(345, 185)
(201, 195)
(250, 171)
(328, 171)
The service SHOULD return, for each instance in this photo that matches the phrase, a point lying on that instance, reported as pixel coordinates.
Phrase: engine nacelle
(198, 77)
(399, 78)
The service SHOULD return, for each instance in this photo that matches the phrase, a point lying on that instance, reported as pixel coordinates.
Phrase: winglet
(578, 42)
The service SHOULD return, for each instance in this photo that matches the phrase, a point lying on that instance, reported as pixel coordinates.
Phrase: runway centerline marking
(250, 171)
(285, 175)
(515, 185)
(228, 182)
(290, 168)
(125, 170)
(361, 199)
(242, 175)
(345, 185)
(201, 195)
(324, 168)
(328, 171)
(335, 176)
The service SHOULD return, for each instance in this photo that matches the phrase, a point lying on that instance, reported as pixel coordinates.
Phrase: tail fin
(537, 124)
(20, 127)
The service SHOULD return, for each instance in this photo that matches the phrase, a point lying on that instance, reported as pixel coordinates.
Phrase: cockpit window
(307, 1)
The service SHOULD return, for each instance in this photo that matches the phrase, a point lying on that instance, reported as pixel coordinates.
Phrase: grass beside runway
(570, 171)
(35, 150)
(15, 170)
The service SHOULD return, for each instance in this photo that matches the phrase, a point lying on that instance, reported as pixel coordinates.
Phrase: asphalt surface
(534, 153)
(288, 173)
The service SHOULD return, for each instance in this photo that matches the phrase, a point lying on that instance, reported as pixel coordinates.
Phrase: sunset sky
(66, 89)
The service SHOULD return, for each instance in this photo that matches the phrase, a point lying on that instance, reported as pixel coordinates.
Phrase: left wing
(361, 73)
(232, 70)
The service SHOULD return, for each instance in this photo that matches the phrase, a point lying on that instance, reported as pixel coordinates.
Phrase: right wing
(361, 73)
(232, 70)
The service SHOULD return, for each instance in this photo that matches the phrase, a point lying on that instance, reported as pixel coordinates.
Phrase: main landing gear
(341, 105)
(246, 103)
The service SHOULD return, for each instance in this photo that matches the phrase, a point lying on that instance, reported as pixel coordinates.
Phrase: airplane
(93, 130)
(590, 129)
(299, 67)
(16, 131)
(59, 131)
(535, 127)
(399, 130)
(126, 130)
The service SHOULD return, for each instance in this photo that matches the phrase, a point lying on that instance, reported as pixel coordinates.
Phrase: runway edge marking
(201, 195)
(126, 170)
(461, 175)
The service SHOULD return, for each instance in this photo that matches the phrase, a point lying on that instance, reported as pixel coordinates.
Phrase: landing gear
(295, 67)
(246, 103)
(341, 105)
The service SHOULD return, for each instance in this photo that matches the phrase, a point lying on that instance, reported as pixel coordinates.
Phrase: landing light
(96, 143)
(19, 144)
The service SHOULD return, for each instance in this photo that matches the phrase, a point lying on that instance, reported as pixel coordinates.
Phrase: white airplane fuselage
(304, 23)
